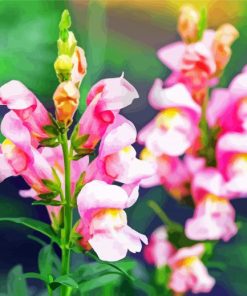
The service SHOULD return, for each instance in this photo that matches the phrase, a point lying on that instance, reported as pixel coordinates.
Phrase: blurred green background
(118, 36)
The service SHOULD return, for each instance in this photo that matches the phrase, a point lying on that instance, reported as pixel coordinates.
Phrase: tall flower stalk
(193, 156)
(59, 171)
(67, 212)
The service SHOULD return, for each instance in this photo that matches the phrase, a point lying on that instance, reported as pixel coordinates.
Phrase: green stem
(50, 293)
(68, 215)
(203, 122)
(160, 213)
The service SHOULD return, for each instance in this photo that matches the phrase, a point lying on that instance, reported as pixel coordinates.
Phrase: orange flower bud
(188, 24)
(66, 100)
(224, 38)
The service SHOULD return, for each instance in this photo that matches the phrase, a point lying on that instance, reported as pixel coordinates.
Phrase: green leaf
(74, 134)
(54, 121)
(202, 23)
(35, 225)
(51, 130)
(37, 240)
(98, 282)
(78, 156)
(47, 196)
(55, 203)
(34, 275)
(16, 284)
(53, 186)
(56, 178)
(209, 250)
(79, 185)
(64, 280)
(84, 151)
(98, 269)
(81, 152)
(45, 261)
(162, 277)
(79, 141)
(148, 289)
(50, 142)
(114, 266)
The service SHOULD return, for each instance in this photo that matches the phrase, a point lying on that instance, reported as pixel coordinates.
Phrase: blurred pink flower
(175, 128)
(27, 107)
(231, 155)
(104, 221)
(188, 271)
(172, 172)
(192, 64)
(214, 215)
(227, 108)
(159, 249)
(104, 101)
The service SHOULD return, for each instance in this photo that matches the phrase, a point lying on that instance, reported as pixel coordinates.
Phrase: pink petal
(238, 86)
(212, 221)
(218, 105)
(171, 55)
(116, 93)
(208, 38)
(175, 96)
(114, 247)
(193, 251)
(6, 169)
(172, 142)
(16, 96)
(28, 193)
(207, 181)
(14, 130)
(118, 135)
(133, 192)
(100, 195)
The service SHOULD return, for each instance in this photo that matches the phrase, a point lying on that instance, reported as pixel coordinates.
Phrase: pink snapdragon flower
(231, 155)
(27, 107)
(192, 64)
(159, 249)
(20, 154)
(104, 101)
(174, 129)
(20, 158)
(188, 271)
(227, 108)
(214, 215)
(117, 157)
(104, 221)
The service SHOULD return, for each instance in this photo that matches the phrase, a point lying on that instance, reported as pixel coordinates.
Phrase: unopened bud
(79, 66)
(224, 38)
(66, 100)
(68, 46)
(188, 24)
(63, 67)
